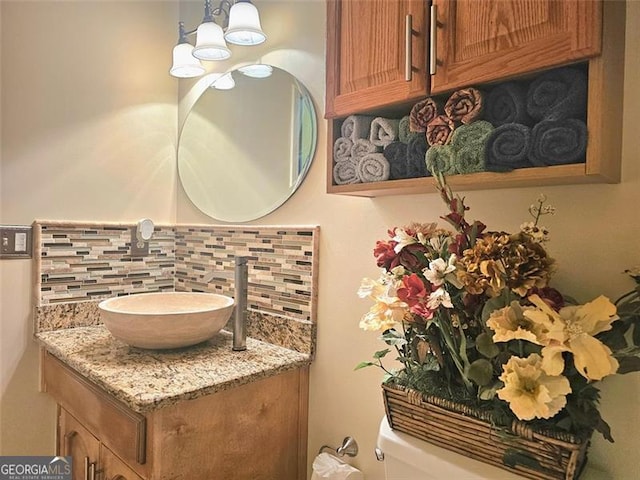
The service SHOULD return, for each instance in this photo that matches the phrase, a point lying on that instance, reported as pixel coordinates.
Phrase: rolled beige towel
(345, 173)
(356, 126)
(342, 149)
(362, 147)
(384, 131)
(373, 168)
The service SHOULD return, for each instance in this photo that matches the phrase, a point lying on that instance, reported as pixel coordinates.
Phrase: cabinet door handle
(433, 51)
(92, 471)
(67, 442)
(408, 49)
(86, 468)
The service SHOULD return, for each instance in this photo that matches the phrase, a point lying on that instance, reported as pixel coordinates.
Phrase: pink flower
(385, 254)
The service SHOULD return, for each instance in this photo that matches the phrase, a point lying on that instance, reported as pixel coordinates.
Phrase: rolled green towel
(475, 133)
(404, 132)
(441, 159)
(468, 143)
(470, 159)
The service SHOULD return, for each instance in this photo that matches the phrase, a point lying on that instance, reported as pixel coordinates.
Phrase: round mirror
(247, 143)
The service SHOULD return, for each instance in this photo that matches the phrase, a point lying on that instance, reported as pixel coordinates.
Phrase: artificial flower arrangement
(473, 319)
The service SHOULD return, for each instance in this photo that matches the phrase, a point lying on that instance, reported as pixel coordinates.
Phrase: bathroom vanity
(200, 412)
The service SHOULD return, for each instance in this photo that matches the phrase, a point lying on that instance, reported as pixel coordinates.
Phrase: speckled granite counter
(147, 380)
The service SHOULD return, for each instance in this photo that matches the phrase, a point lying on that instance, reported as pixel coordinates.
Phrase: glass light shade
(185, 65)
(257, 70)
(244, 25)
(210, 44)
(225, 82)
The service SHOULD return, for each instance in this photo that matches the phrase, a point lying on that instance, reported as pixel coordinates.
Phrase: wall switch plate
(15, 241)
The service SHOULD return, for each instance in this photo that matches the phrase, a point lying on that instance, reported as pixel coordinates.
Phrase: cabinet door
(483, 40)
(74, 440)
(368, 62)
(115, 469)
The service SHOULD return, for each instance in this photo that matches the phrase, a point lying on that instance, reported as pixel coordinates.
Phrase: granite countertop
(146, 380)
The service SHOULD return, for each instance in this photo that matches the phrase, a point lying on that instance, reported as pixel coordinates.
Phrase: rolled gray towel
(362, 147)
(344, 173)
(441, 159)
(558, 142)
(396, 155)
(384, 131)
(373, 168)
(356, 126)
(416, 157)
(507, 148)
(507, 103)
(342, 149)
(558, 94)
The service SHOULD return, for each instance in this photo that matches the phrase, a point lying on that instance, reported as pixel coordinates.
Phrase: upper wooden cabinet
(376, 54)
(479, 41)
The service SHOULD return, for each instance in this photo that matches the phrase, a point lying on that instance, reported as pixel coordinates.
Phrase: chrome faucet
(241, 279)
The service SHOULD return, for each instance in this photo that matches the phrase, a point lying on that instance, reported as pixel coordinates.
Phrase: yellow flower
(514, 323)
(387, 309)
(530, 392)
(573, 331)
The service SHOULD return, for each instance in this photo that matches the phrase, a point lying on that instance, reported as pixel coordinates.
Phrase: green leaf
(480, 372)
(628, 364)
(492, 304)
(489, 392)
(381, 353)
(364, 365)
(393, 338)
(485, 345)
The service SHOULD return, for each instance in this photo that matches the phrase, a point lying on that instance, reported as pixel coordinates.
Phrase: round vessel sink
(165, 319)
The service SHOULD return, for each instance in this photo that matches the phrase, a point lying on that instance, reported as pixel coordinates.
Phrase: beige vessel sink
(165, 319)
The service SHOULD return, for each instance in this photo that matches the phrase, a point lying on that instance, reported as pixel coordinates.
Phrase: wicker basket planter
(535, 455)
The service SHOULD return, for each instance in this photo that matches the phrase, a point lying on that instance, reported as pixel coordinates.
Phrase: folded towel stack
(464, 105)
(558, 142)
(422, 114)
(383, 131)
(373, 168)
(558, 94)
(507, 103)
(508, 148)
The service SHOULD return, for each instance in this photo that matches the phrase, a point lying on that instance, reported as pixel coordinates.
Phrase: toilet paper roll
(329, 467)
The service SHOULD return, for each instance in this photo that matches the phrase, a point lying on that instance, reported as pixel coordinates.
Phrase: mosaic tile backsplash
(79, 264)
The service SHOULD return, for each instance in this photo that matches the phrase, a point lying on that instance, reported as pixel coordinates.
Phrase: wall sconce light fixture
(240, 26)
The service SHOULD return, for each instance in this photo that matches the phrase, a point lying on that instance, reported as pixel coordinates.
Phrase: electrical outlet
(15, 241)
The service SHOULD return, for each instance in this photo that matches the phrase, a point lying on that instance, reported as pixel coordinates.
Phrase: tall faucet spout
(240, 317)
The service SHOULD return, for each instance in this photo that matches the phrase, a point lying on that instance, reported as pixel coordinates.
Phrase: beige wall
(88, 133)
(80, 121)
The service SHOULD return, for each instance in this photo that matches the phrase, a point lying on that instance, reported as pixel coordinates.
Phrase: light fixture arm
(222, 9)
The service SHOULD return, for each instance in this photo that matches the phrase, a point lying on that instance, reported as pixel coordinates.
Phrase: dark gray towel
(507, 103)
(416, 157)
(558, 94)
(507, 148)
(396, 155)
(558, 142)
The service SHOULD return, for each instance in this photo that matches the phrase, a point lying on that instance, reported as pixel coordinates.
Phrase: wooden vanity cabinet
(91, 459)
(250, 432)
(480, 41)
(376, 54)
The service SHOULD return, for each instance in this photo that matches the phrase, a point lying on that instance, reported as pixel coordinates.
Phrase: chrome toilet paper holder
(349, 447)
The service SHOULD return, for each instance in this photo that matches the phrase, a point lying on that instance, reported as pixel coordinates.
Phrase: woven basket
(469, 432)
